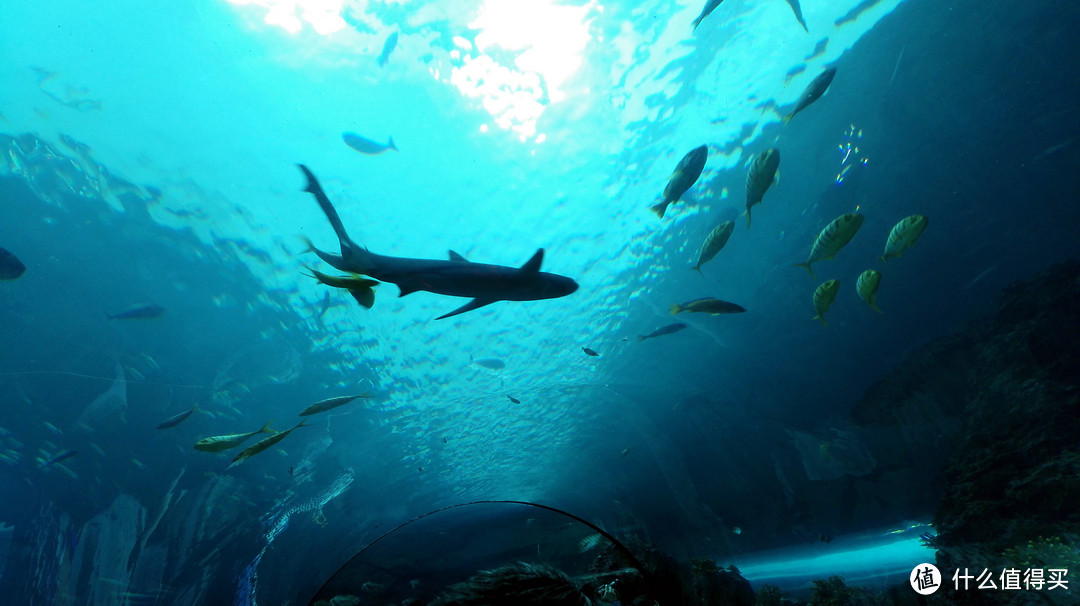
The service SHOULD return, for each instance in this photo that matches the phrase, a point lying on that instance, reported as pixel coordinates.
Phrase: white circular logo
(925, 579)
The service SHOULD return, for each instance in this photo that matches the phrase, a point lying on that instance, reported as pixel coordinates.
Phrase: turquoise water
(150, 156)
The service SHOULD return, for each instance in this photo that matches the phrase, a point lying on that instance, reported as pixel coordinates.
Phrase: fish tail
(675, 308)
(820, 318)
(883, 258)
(696, 23)
(748, 218)
(640, 338)
(697, 268)
(807, 266)
(266, 428)
(351, 253)
(659, 209)
(788, 118)
(390, 145)
(874, 307)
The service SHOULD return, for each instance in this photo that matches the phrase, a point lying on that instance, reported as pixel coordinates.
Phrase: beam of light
(874, 559)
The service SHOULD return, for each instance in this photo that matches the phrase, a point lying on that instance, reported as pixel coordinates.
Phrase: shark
(482, 283)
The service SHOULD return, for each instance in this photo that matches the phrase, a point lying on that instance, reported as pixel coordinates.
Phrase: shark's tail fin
(354, 258)
(328, 209)
(390, 144)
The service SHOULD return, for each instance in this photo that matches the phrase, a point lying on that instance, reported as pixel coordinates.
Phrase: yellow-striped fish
(220, 443)
(764, 172)
(831, 239)
(263, 444)
(903, 235)
(867, 285)
(359, 287)
(823, 298)
(716, 240)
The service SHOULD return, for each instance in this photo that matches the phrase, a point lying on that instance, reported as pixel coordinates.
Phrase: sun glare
(324, 16)
(549, 41)
(519, 62)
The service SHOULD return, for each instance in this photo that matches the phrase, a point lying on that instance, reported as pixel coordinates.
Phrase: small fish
(795, 8)
(710, 6)
(708, 305)
(326, 304)
(589, 542)
(177, 419)
(63, 456)
(589, 352)
(903, 235)
(10, 265)
(362, 289)
(222, 443)
(512, 399)
(142, 311)
(263, 444)
(824, 296)
(490, 363)
(736, 530)
(388, 47)
(867, 285)
(372, 587)
(764, 172)
(813, 92)
(670, 329)
(625, 452)
(715, 241)
(831, 239)
(367, 146)
(329, 403)
(684, 177)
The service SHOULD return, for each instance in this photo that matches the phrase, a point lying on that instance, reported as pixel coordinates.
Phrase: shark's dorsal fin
(456, 257)
(471, 305)
(532, 266)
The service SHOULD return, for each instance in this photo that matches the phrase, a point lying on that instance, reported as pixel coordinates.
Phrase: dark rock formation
(999, 405)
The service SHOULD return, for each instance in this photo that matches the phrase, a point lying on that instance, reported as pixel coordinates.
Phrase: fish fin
(266, 428)
(659, 209)
(471, 305)
(407, 289)
(820, 318)
(309, 244)
(776, 177)
(747, 213)
(390, 141)
(364, 296)
(807, 266)
(456, 257)
(674, 308)
(532, 266)
(788, 118)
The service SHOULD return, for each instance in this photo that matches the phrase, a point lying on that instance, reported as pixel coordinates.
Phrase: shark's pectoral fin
(456, 257)
(471, 305)
(532, 266)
